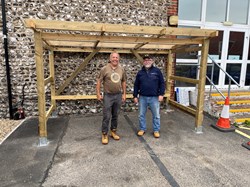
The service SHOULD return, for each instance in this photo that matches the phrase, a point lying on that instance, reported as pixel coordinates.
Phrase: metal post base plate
(198, 130)
(43, 141)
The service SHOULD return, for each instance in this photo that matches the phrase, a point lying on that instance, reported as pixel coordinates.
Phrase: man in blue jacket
(149, 89)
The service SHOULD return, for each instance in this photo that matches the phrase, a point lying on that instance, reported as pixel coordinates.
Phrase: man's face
(147, 62)
(114, 59)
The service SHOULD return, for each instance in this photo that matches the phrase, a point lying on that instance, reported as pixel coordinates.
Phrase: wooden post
(201, 86)
(52, 75)
(40, 88)
(169, 72)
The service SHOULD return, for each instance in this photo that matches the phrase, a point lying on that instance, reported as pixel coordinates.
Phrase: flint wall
(21, 48)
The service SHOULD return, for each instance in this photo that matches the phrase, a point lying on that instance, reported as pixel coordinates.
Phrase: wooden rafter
(118, 36)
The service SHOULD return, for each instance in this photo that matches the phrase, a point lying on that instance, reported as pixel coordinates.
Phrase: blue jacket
(149, 82)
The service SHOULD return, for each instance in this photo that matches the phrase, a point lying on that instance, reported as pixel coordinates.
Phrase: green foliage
(235, 124)
(246, 123)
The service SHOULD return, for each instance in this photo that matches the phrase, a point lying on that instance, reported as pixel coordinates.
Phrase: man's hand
(160, 98)
(123, 98)
(136, 100)
(99, 97)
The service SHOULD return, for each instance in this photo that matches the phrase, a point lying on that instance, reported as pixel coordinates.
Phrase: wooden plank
(40, 84)
(137, 56)
(48, 113)
(107, 45)
(139, 45)
(187, 50)
(82, 97)
(120, 39)
(47, 80)
(80, 50)
(185, 79)
(185, 108)
(116, 28)
(201, 84)
(52, 74)
(75, 73)
(169, 73)
(79, 97)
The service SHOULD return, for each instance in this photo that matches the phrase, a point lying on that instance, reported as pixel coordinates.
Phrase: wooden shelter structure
(93, 38)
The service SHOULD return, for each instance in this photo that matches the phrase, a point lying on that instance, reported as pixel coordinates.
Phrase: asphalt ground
(76, 157)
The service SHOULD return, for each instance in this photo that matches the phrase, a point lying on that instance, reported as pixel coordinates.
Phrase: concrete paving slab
(76, 157)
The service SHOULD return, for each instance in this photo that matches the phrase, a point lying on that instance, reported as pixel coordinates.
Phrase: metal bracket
(43, 141)
(198, 130)
(54, 114)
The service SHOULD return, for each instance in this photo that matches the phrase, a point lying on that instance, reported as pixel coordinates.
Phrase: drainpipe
(6, 55)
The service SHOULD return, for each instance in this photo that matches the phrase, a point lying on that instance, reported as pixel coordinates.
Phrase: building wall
(21, 48)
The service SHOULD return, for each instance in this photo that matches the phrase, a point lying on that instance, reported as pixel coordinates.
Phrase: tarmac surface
(76, 157)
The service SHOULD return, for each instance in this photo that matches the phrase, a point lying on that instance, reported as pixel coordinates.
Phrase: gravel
(7, 127)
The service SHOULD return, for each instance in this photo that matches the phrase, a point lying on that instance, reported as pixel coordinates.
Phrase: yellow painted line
(231, 94)
(242, 127)
(242, 133)
(242, 120)
(234, 102)
(240, 110)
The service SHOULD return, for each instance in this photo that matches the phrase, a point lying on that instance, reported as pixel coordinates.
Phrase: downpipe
(6, 56)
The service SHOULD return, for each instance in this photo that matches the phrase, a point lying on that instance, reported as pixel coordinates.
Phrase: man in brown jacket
(113, 78)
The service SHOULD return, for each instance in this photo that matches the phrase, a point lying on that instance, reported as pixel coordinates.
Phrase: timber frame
(93, 38)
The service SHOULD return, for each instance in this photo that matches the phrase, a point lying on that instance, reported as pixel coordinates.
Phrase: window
(247, 83)
(248, 57)
(238, 11)
(189, 55)
(216, 10)
(215, 74)
(215, 46)
(190, 10)
(234, 71)
(188, 71)
(235, 46)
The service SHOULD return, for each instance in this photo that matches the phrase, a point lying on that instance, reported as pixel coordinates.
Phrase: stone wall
(21, 48)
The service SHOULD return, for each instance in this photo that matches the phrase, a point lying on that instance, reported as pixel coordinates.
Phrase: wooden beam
(74, 74)
(47, 80)
(169, 72)
(48, 113)
(183, 49)
(185, 108)
(201, 84)
(137, 56)
(115, 28)
(46, 46)
(107, 45)
(40, 84)
(140, 45)
(184, 79)
(80, 50)
(52, 75)
(82, 97)
(121, 39)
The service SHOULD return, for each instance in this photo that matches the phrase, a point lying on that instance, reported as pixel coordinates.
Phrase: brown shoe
(141, 133)
(105, 139)
(114, 135)
(156, 134)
